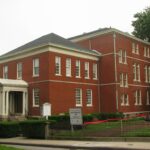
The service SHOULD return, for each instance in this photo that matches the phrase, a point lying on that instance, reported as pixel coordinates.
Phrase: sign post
(75, 117)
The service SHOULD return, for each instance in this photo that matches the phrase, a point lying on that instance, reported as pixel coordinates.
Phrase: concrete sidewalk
(76, 144)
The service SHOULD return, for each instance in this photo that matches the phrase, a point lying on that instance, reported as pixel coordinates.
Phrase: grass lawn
(2, 147)
(133, 127)
(144, 132)
(87, 129)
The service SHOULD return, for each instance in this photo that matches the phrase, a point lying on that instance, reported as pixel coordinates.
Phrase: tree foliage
(142, 24)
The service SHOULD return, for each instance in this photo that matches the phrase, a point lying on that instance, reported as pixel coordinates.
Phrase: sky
(22, 21)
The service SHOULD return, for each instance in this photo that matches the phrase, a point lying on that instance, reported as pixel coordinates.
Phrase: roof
(51, 39)
(15, 83)
(104, 31)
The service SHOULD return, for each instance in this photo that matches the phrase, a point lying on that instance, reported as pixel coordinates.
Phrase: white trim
(49, 48)
(138, 59)
(106, 54)
(68, 82)
(95, 34)
(136, 112)
(109, 84)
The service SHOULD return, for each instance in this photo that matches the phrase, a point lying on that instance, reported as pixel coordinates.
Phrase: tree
(142, 24)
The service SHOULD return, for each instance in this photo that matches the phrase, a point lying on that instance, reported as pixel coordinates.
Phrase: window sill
(36, 106)
(35, 76)
(58, 75)
(95, 79)
(78, 105)
(89, 105)
(78, 77)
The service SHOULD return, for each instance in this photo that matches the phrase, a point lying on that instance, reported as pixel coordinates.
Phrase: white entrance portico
(13, 98)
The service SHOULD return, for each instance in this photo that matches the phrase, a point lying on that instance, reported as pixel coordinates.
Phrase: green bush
(9, 129)
(87, 118)
(105, 116)
(33, 128)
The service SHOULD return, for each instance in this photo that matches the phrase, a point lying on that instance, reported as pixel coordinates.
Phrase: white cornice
(92, 35)
(48, 48)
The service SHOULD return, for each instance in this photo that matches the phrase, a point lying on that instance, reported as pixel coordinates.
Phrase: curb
(67, 146)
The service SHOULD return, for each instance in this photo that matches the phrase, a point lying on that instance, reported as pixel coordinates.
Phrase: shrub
(88, 117)
(33, 128)
(9, 129)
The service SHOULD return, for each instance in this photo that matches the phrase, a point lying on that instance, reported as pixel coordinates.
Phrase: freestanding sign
(75, 116)
(47, 110)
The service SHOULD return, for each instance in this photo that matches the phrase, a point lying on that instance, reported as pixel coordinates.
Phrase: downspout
(99, 99)
(115, 63)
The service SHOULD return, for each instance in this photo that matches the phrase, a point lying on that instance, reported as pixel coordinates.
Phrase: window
(5, 72)
(78, 68)
(136, 72)
(78, 97)
(146, 52)
(57, 65)
(68, 67)
(123, 80)
(36, 97)
(135, 48)
(146, 73)
(36, 67)
(94, 71)
(19, 71)
(124, 100)
(147, 97)
(86, 69)
(137, 95)
(89, 97)
(122, 57)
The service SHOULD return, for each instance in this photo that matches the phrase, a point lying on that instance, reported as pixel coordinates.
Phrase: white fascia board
(83, 37)
(44, 48)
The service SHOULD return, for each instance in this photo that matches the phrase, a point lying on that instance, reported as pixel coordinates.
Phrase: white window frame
(133, 47)
(120, 57)
(77, 69)
(146, 70)
(36, 67)
(58, 66)
(89, 97)
(134, 72)
(68, 67)
(124, 100)
(138, 98)
(95, 71)
(138, 73)
(34, 103)
(147, 97)
(78, 96)
(137, 49)
(126, 80)
(19, 70)
(5, 71)
(86, 70)
(121, 80)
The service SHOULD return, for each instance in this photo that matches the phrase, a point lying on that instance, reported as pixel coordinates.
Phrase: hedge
(33, 128)
(9, 129)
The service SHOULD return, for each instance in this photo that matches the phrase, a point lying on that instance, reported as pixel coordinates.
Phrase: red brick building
(108, 72)
(124, 70)
(51, 70)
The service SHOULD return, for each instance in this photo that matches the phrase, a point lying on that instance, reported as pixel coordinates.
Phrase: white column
(0, 102)
(3, 103)
(26, 107)
(23, 103)
(7, 103)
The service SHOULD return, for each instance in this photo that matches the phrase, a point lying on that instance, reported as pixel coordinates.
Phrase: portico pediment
(13, 83)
